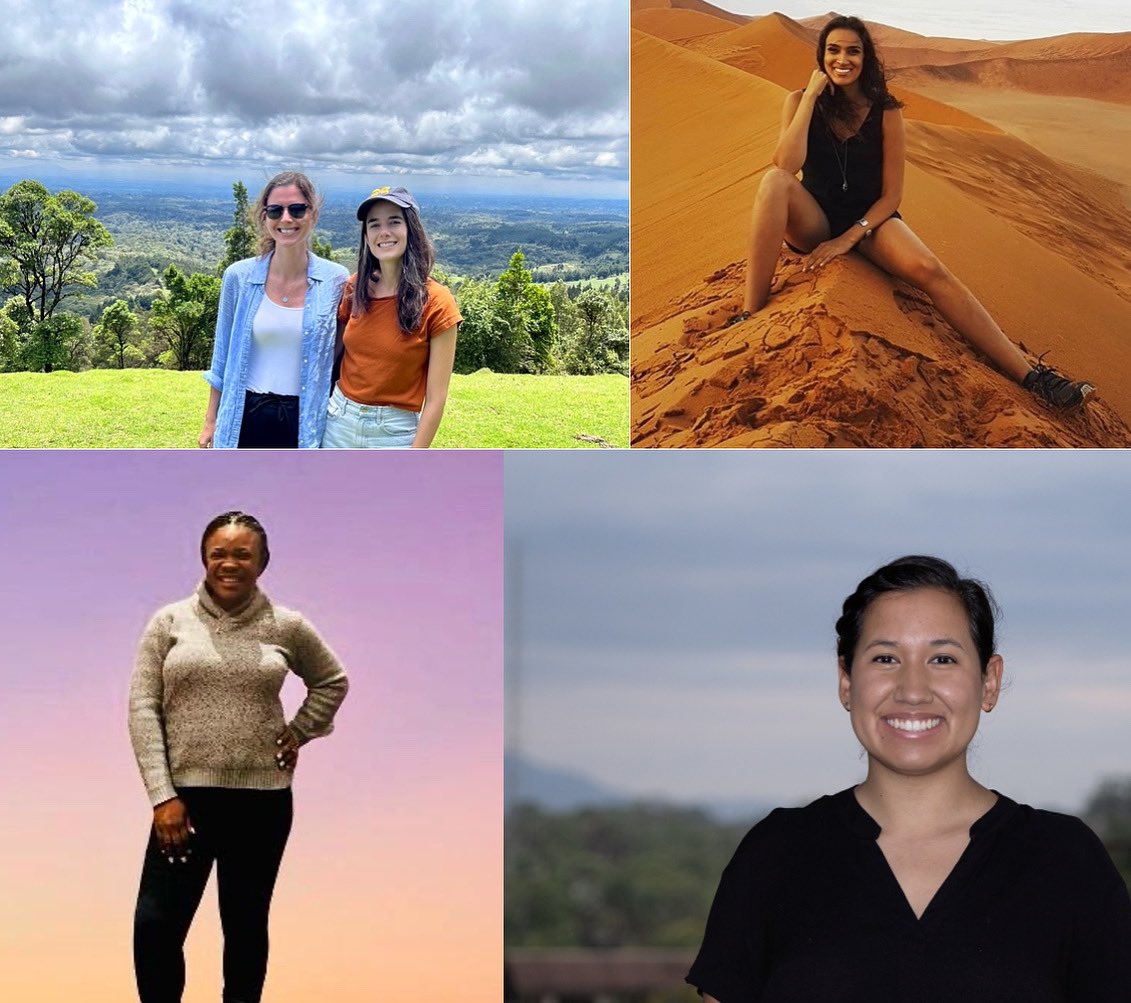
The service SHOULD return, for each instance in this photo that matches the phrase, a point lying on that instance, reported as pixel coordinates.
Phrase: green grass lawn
(157, 409)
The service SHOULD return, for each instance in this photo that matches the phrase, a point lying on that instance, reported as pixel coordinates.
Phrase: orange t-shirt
(381, 364)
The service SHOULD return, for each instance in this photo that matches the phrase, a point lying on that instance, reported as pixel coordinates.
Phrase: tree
(1108, 812)
(112, 335)
(185, 316)
(600, 342)
(240, 240)
(62, 341)
(321, 247)
(10, 338)
(482, 337)
(528, 316)
(45, 242)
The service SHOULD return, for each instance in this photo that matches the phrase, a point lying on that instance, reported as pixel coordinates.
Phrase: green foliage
(46, 242)
(511, 306)
(509, 327)
(185, 317)
(112, 337)
(156, 409)
(62, 341)
(240, 239)
(483, 341)
(1108, 812)
(9, 341)
(598, 336)
(516, 326)
(321, 248)
(637, 876)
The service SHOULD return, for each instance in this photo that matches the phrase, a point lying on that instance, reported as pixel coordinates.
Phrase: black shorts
(838, 224)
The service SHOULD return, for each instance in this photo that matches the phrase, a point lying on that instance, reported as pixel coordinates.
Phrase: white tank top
(276, 349)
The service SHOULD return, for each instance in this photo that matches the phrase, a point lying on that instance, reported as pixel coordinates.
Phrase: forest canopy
(132, 281)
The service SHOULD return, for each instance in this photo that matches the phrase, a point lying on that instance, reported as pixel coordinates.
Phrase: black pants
(270, 421)
(245, 833)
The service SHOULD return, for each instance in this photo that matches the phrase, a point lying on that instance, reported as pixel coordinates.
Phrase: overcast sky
(522, 95)
(674, 611)
(1003, 19)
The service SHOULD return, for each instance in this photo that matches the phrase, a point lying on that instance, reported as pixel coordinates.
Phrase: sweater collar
(255, 603)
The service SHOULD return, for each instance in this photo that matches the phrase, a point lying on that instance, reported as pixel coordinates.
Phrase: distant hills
(561, 790)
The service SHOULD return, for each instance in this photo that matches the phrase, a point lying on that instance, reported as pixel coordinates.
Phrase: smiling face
(917, 689)
(233, 561)
(285, 230)
(843, 57)
(386, 232)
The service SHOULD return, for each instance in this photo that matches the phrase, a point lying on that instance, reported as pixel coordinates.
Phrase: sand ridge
(849, 357)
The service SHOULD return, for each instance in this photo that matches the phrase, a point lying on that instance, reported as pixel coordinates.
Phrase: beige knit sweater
(204, 697)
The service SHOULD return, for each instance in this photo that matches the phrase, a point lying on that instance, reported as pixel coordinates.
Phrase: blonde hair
(257, 212)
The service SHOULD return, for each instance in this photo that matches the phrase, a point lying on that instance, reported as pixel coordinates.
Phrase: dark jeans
(245, 833)
(270, 421)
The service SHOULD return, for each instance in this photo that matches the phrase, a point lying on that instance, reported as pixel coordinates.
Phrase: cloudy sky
(1004, 19)
(672, 613)
(518, 95)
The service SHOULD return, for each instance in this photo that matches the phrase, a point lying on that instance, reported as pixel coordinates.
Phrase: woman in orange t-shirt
(396, 334)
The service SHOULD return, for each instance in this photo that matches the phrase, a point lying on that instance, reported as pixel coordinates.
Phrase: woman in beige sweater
(217, 757)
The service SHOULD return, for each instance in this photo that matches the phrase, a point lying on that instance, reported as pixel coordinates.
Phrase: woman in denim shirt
(274, 347)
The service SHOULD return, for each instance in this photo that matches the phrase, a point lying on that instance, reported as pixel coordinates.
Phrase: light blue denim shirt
(241, 292)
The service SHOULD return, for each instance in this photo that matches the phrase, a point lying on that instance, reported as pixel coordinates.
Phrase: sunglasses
(296, 209)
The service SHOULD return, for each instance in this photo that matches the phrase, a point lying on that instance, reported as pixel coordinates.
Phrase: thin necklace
(843, 166)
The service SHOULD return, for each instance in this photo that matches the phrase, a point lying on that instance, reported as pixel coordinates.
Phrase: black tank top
(861, 166)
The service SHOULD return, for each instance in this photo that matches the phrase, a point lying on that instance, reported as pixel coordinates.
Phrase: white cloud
(464, 85)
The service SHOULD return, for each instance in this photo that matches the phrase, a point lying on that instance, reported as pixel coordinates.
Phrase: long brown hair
(416, 267)
(835, 107)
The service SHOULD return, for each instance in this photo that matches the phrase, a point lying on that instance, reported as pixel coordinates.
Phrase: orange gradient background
(391, 886)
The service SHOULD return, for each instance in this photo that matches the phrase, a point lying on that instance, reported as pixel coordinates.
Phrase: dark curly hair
(236, 518)
(835, 107)
(416, 267)
(907, 574)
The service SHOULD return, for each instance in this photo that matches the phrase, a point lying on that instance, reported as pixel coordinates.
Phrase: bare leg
(896, 249)
(781, 207)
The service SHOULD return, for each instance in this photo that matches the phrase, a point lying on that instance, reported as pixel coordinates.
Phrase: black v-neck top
(858, 161)
(808, 911)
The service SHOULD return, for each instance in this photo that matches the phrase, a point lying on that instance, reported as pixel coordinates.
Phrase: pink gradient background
(391, 886)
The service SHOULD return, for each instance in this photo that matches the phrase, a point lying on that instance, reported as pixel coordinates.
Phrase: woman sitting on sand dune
(844, 132)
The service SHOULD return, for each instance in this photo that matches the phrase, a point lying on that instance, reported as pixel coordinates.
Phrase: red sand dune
(1085, 77)
(677, 25)
(778, 49)
(848, 356)
(699, 6)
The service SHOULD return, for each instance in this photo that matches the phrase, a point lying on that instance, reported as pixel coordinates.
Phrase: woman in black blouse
(919, 884)
(844, 132)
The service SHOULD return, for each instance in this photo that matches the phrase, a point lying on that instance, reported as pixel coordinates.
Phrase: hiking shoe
(1054, 389)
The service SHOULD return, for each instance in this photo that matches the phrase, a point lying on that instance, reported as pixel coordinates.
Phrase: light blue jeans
(350, 425)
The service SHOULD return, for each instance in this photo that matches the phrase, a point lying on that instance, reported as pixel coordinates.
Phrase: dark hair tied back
(236, 518)
(873, 81)
(917, 572)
